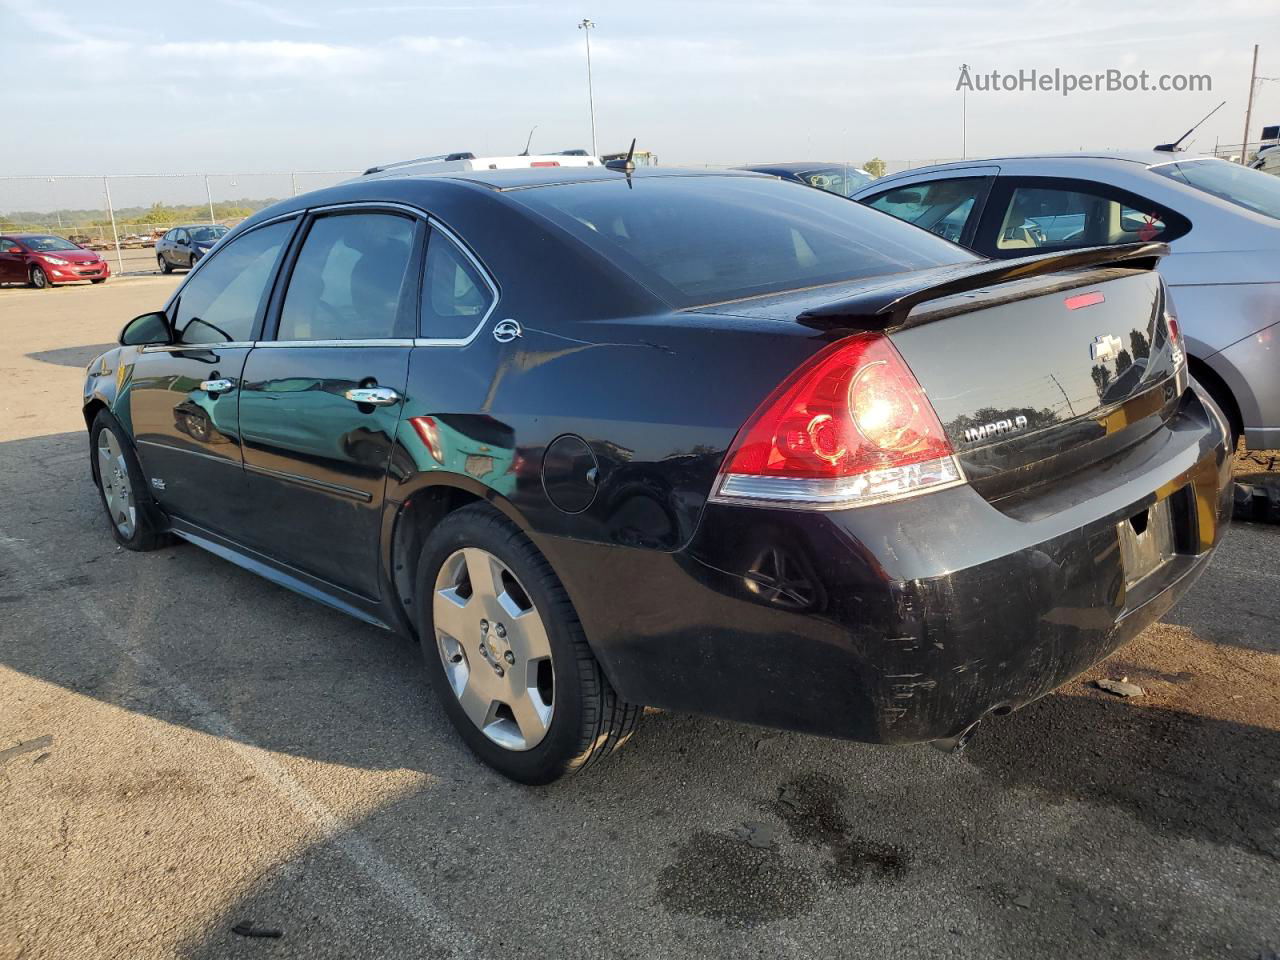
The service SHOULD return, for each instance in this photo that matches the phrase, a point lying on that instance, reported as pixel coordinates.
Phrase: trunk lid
(1049, 378)
(1036, 368)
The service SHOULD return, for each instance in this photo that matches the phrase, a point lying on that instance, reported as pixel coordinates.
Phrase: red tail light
(544, 163)
(852, 426)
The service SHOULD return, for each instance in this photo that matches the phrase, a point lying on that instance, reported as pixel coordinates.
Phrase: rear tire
(587, 719)
(38, 278)
(165, 266)
(136, 521)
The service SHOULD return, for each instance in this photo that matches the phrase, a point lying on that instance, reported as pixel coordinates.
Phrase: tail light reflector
(852, 426)
(429, 434)
(1175, 336)
(544, 163)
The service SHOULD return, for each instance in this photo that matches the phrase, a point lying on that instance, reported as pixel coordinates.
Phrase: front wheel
(38, 278)
(506, 654)
(136, 522)
(99, 280)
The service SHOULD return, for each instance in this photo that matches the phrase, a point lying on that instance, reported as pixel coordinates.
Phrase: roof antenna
(1173, 147)
(627, 164)
(535, 127)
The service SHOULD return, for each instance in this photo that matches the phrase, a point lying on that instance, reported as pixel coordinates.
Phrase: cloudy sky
(246, 85)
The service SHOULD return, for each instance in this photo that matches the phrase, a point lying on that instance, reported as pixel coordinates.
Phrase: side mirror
(150, 328)
(14, 249)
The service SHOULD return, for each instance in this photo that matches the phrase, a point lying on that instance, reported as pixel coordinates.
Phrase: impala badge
(504, 331)
(1105, 347)
(982, 432)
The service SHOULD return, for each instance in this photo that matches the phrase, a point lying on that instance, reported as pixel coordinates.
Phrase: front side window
(939, 206)
(1252, 189)
(455, 298)
(350, 281)
(222, 300)
(702, 240)
(1066, 216)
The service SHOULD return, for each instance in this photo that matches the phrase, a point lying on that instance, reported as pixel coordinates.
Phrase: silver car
(1221, 221)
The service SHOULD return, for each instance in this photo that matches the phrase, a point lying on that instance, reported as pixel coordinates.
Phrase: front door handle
(376, 396)
(216, 386)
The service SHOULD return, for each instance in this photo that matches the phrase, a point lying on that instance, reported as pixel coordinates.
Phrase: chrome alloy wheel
(495, 649)
(117, 489)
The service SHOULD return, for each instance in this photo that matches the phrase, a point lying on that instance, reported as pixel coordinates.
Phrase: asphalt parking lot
(185, 748)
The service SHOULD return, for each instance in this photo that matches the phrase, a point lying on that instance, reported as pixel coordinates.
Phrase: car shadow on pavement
(648, 847)
(72, 356)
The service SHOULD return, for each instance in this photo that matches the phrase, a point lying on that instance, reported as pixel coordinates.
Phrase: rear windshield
(207, 234)
(1251, 189)
(700, 240)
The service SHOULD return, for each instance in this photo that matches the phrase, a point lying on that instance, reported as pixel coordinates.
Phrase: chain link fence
(124, 215)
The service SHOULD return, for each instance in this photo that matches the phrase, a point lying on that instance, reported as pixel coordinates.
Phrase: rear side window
(221, 301)
(455, 298)
(350, 280)
(699, 240)
(939, 206)
(1079, 214)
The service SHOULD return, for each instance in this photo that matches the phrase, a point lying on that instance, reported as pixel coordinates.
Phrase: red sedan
(41, 261)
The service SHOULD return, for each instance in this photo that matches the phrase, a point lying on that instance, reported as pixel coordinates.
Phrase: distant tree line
(157, 213)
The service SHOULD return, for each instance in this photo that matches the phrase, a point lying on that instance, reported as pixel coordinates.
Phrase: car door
(1025, 216)
(321, 399)
(13, 266)
(949, 206)
(183, 248)
(181, 399)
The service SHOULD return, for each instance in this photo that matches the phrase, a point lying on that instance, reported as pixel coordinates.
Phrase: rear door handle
(377, 396)
(216, 386)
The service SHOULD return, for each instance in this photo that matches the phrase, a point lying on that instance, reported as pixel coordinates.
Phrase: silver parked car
(1221, 221)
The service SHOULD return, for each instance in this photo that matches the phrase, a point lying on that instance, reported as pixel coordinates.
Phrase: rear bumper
(907, 621)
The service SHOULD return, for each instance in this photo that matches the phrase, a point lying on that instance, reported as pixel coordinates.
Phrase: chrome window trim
(175, 347)
(383, 342)
(484, 275)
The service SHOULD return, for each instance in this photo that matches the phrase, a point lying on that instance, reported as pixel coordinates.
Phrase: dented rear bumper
(907, 621)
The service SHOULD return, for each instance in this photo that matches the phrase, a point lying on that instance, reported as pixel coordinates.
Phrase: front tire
(99, 280)
(136, 522)
(506, 654)
(38, 278)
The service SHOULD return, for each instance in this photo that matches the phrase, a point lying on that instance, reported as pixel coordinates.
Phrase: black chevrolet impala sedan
(708, 442)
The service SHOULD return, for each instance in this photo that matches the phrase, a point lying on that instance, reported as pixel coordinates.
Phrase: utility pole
(1248, 110)
(964, 122)
(586, 26)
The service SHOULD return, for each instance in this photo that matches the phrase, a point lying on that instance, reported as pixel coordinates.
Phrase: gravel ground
(185, 748)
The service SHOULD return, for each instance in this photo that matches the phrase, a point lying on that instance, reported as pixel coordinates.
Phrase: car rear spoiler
(888, 305)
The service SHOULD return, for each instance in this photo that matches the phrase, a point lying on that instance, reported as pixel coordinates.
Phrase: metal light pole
(208, 195)
(586, 26)
(115, 236)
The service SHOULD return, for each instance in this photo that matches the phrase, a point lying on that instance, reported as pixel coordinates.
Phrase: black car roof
(551, 176)
(795, 166)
